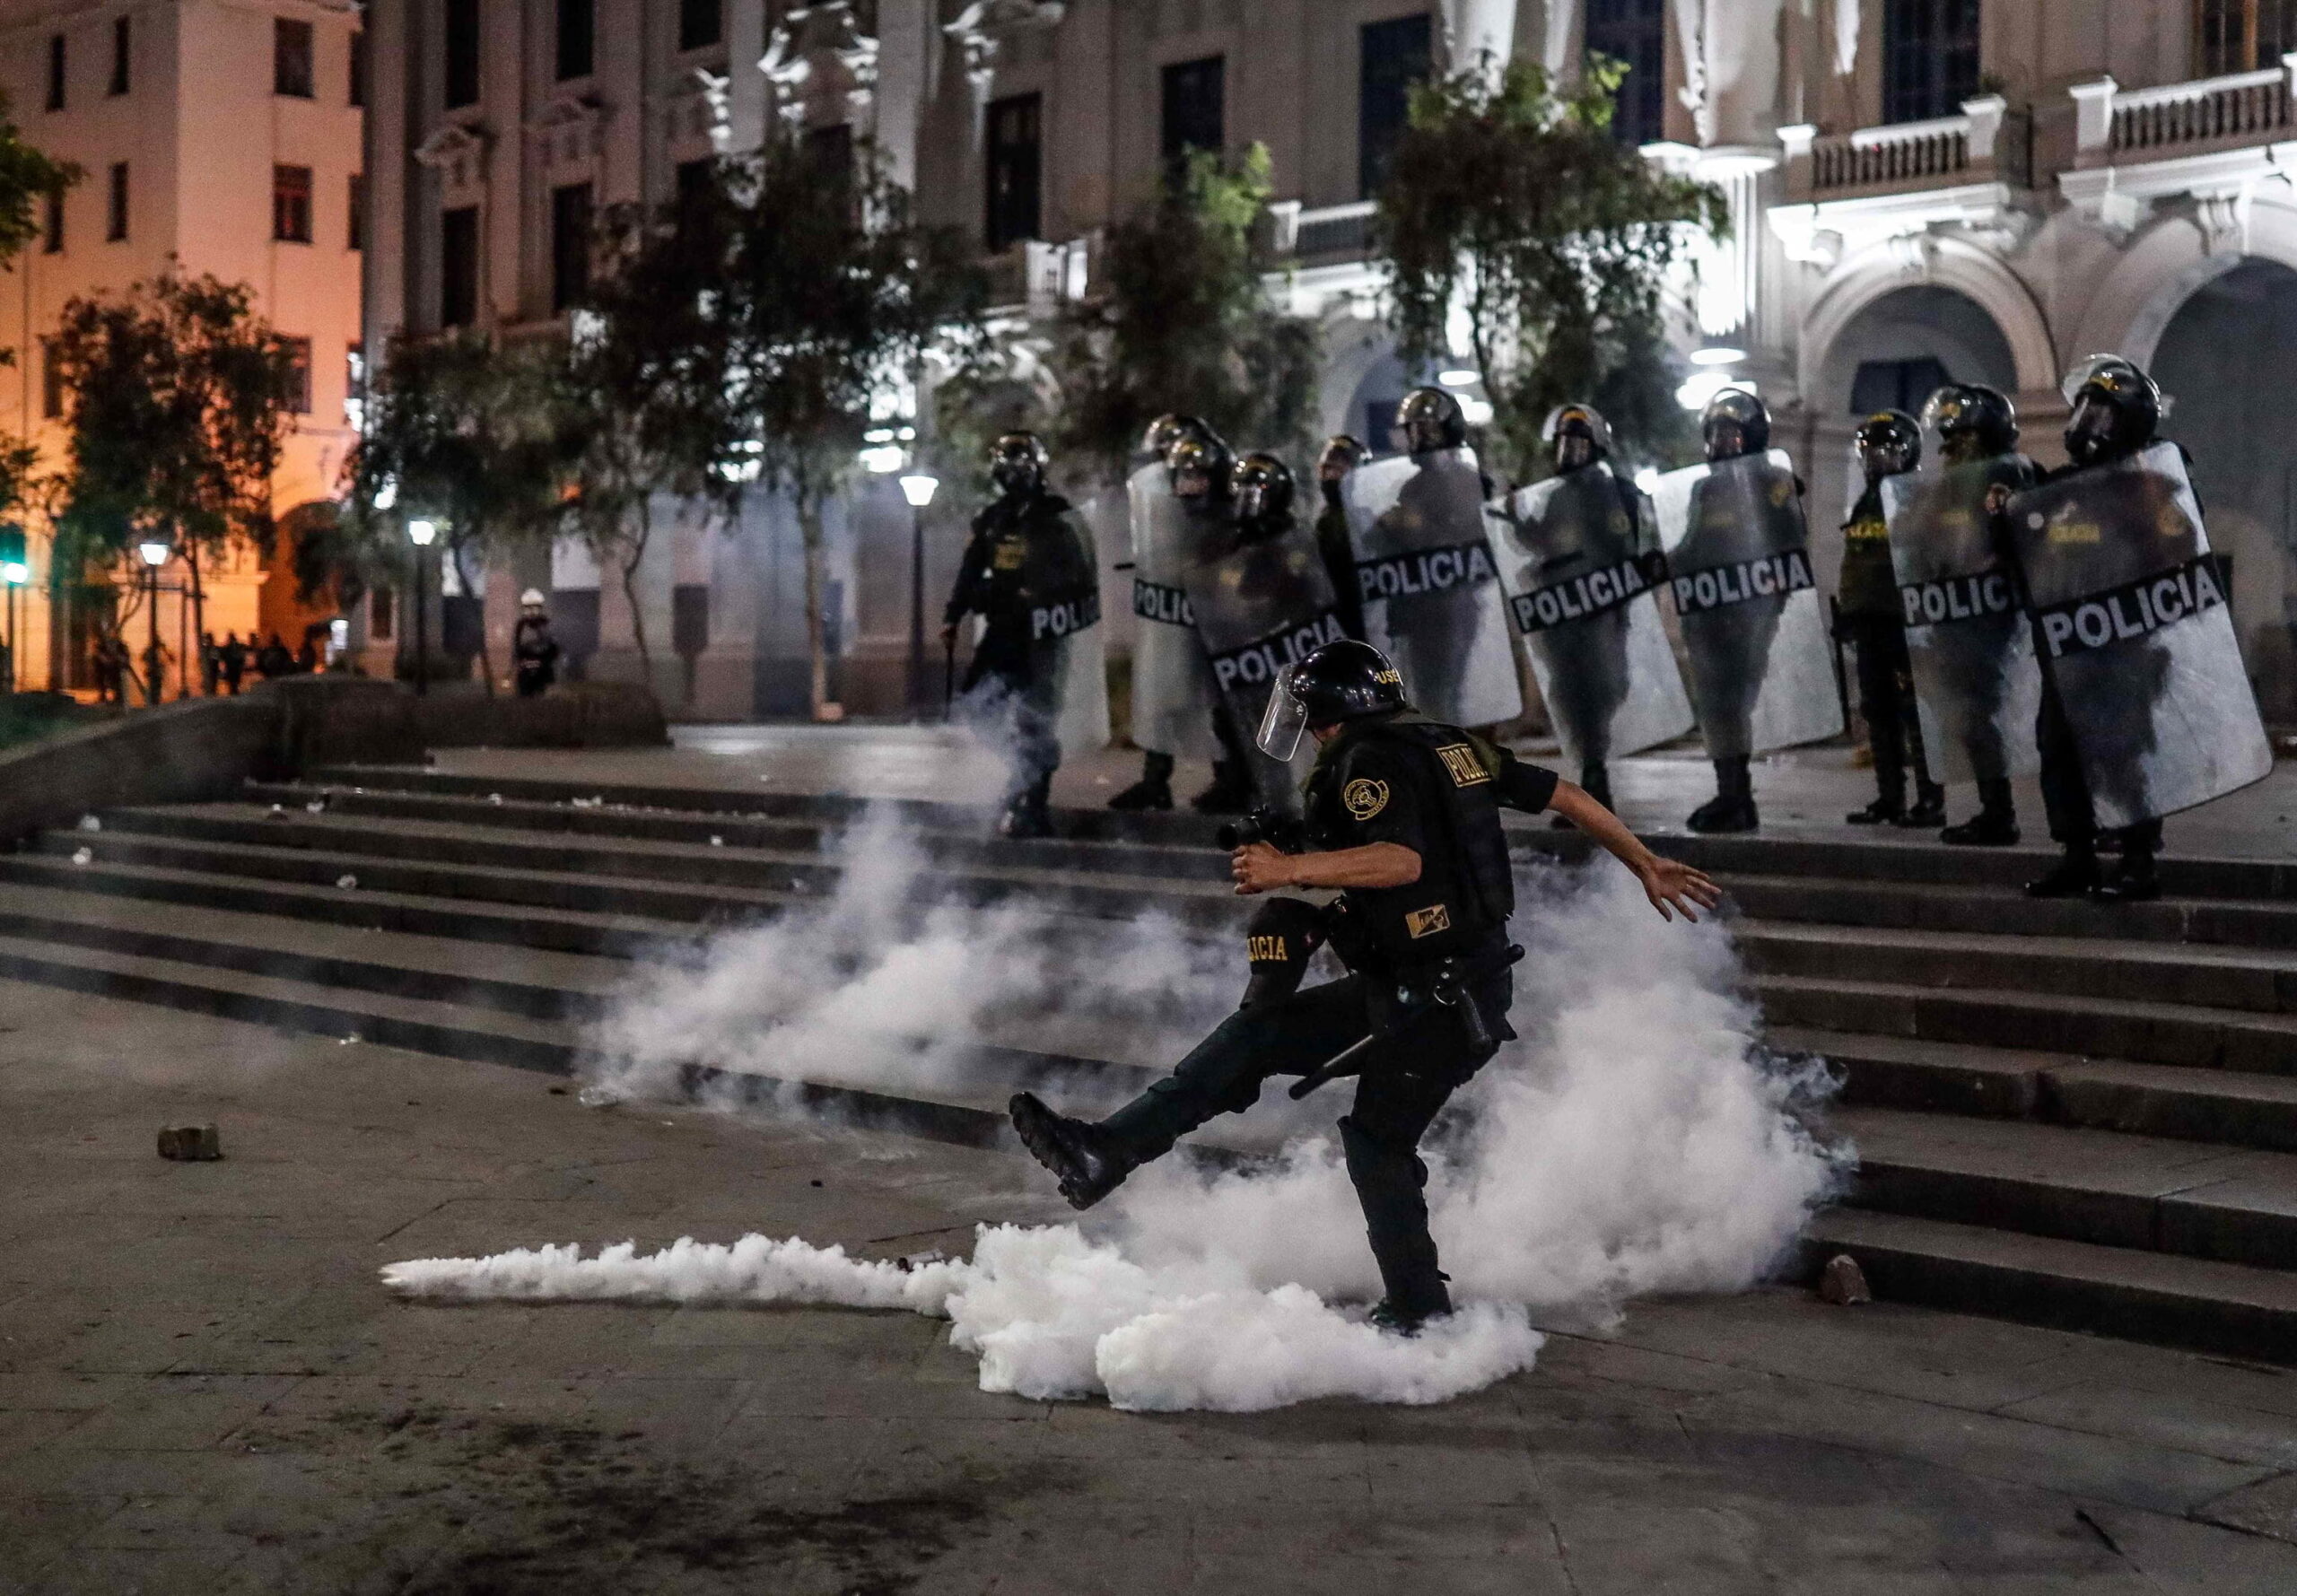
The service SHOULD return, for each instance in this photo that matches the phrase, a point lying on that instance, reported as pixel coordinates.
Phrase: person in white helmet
(533, 651)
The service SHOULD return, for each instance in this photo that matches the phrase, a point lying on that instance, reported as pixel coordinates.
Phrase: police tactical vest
(1869, 583)
(1466, 889)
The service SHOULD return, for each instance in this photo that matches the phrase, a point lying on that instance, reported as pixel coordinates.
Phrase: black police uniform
(1438, 790)
(535, 656)
(1872, 623)
(993, 581)
(1340, 560)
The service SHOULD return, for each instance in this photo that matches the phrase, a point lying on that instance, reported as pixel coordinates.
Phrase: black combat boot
(1889, 806)
(2071, 877)
(1995, 824)
(1154, 790)
(1733, 807)
(1029, 816)
(1231, 792)
(2132, 879)
(1077, 1154)
(1404, 1318)
(1929, 811)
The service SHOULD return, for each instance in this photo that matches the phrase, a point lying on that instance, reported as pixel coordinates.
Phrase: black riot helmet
(1735, 423)
(1263, 485)
(1890, 442)
(1341, 681)
(1168, 429)
(1203, 471)
(1973, 422)
(1577, 433)
(1341, 454)
(2117, 410)
(1430, 419)
(1018, 463)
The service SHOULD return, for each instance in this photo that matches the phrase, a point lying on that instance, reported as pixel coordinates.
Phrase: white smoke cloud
(1636, 1139)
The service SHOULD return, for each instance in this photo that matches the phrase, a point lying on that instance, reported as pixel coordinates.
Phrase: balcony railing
(2114, 125)
(1328, 231)
(1900, 157)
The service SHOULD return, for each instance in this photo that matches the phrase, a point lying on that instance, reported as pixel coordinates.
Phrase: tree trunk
(462, 579)
(810, 528)
(198, 617)
(630, 586)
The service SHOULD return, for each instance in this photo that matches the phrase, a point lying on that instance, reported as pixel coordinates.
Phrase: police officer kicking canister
(1403, 819)
(1889, 444)
(1025, 546)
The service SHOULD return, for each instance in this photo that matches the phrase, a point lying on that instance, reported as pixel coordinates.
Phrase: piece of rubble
(348, 882)
(1843, 1283)
(599, 1098)
(190, 1144)
(90, 823)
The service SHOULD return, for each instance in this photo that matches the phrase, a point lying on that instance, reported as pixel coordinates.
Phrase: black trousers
(2065, 790)
(1886, 699)
(1405, 1084)
(990, 687)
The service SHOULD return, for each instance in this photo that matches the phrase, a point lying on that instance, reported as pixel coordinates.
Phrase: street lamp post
(918, 488)
(421, 533)
(15, 571)
(155, 553)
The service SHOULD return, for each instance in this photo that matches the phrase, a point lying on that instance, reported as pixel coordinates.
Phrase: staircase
(2067, 1115)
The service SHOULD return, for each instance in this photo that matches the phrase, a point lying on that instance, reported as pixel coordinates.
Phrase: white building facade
(217, 137)
(1920, 190)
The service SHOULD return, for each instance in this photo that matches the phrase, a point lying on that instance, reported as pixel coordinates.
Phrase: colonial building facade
(1919, 189)
(223, 137)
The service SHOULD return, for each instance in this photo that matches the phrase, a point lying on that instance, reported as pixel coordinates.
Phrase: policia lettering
(2134, 609)
(1773, 577)
(1153, 601)
(1426, 570)
(1060, 619)
(1959, 598)
(1259, 664)
(1597, 593)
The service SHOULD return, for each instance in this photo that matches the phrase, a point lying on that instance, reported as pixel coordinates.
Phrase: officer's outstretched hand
(1258, 867)
(1670, 882)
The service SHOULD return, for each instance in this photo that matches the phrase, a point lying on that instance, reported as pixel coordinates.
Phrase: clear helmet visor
(1280, 727)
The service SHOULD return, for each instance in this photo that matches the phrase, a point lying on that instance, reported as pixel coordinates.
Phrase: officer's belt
(1591, 593)
(1154, 601)
(1450, 985)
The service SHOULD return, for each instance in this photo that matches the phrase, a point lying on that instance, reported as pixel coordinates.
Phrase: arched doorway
(1892, 355)
(2223, 359)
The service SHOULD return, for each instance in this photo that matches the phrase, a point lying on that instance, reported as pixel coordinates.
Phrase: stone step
(1893, 857)
(799, 835)
(560, 930)
(612, 861)
(2225, 1309)
(2193, 1198)
(2260, 981)
(2007, 911)
(2188, 1034)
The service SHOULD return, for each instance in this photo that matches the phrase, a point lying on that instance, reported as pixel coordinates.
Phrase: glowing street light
(1459, 379)
(919, 488)
(155, 553)
(422, 533)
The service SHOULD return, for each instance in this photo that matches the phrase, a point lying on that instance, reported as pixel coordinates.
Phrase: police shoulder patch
(1364, 798)
(1464, 765)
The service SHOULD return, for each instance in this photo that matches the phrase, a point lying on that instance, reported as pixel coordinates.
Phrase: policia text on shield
(1403, 815)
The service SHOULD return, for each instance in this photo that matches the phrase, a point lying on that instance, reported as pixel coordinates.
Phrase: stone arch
(1877, 271)
(2165, 265)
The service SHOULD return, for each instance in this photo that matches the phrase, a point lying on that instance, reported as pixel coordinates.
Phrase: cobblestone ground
(203, 1388)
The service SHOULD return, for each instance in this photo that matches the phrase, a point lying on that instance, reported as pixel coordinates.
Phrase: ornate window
(1015, 171)
(2232, 36)
(1635, 32)
(1194, 108)
(1929, 57)
(1392, 56)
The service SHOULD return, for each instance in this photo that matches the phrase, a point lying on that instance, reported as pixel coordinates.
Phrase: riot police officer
(1730, 647)
(1203, 470)
(534, 653)
(1889, 444)
(1025, 553)
(1262, 486)
(1978, 422)
(2116, 412)
(1341, 454)
(1403, 815)
(1593, 681)
(1169, 690)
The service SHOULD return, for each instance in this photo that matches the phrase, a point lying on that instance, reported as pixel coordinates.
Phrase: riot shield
(1739, 576)
(2133, 625)
(1063, 592)
(1260, 610)
(1976, 680)
(1172, 690)
(1431, 597)
(1579, 561)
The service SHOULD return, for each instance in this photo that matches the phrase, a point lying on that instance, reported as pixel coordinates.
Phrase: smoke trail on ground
(1636, 1139)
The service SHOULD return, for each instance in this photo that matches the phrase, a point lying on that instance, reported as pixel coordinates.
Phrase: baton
(1447, 991)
